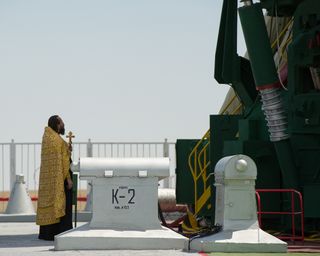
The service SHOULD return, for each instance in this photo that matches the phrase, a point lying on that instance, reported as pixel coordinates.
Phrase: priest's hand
(69, 183)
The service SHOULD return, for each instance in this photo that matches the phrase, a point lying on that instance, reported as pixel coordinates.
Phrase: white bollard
(19, 201)
(236, 211)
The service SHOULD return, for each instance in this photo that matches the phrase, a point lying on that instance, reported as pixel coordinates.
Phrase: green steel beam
(229, 67)
(258, 45)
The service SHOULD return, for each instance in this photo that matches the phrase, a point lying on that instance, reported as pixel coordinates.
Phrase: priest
(54, 210)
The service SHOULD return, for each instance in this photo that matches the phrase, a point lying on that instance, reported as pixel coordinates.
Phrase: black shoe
(47, 238)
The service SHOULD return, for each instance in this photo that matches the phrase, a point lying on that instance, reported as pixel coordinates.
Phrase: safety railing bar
(190, 165)
(194, 152)
(203, 168)
(293, 212)
(22, 143)
(202, 152)
(259, 208)
(28, 154)
(277, 190)
(302, 214)
(130, 150)
(85, 143)
(21, 162)
(199, 143)
(211, 174)
(79, 150)
(200, 174)
(236, 109)
(28, 162)
(2, 166)
(193, 167)
(111, 142)
(296, 238)
(35, 167)
(279, 213)
(229, 103)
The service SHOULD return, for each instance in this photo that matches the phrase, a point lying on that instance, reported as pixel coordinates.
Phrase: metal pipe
(12, 164)
(268, 84)
(275, 114)
(167, 201)
(264, 70)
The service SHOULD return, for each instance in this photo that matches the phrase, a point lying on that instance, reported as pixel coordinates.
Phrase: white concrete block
(125, 202)
(86, 238)
(250, 240)
(124, 207)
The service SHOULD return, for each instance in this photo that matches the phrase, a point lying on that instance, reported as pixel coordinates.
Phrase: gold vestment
(54, 169)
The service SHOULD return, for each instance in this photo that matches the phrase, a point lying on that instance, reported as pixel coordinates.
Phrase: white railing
(24, 158)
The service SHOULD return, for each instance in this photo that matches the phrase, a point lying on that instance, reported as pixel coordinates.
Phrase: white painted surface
(245, 241)
(124, 167)
(21, 239)
(86, 238)
(235, 193)
(81, 217)
(236, 211)
(19, 201)
(124, 207)
(128, 203)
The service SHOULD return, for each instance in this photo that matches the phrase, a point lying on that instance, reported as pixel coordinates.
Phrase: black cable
(215, 229)
(160, 216)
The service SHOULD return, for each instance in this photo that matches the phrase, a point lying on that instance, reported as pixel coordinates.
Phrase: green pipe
(258, 46)
(267, 82)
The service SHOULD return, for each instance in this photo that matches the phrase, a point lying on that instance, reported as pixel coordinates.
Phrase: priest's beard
(62, 131)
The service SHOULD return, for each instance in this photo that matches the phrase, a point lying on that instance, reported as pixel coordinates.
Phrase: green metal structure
(279, 90)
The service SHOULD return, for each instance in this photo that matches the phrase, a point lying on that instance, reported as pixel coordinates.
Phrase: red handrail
(35, 198)
(293, 213)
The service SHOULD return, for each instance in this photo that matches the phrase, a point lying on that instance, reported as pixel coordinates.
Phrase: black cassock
(47, 232)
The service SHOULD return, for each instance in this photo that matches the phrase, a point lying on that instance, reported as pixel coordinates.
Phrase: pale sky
(121, 70)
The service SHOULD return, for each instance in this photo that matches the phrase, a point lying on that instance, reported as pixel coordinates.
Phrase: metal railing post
(12, 164)
(89, 148)
(89, 185)
(166, 181)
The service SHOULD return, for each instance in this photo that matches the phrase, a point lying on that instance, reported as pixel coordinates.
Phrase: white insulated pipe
(124, 167)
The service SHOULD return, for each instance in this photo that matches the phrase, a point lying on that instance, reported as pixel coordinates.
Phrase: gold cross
(70, 136)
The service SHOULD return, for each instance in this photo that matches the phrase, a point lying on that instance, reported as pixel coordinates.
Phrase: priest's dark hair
(53, 122)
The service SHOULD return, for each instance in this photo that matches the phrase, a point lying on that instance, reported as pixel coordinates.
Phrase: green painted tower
(278, 122)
